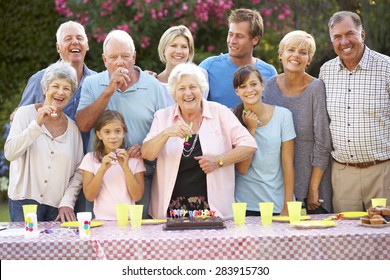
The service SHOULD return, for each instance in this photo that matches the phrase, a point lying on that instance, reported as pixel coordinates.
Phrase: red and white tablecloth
(252, 241)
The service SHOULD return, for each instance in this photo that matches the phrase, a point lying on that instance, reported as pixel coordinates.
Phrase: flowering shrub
(146, 20)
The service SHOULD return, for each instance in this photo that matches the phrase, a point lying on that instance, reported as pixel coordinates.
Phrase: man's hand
(65, 214)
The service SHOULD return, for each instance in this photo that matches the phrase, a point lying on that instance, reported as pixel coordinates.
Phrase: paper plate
(353, 215)
(75, 224)
(375, 226)
(286, 219)
(153, 221)
(314, 224)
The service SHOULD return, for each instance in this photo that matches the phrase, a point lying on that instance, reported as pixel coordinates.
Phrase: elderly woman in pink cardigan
(196, 143)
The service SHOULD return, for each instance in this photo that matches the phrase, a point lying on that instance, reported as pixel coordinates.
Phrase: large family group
(202, 137)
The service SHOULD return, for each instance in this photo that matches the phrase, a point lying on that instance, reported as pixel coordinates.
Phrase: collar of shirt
(206, 112)
(363, 63)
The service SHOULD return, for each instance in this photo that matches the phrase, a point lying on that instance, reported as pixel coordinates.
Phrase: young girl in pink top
(109, 175)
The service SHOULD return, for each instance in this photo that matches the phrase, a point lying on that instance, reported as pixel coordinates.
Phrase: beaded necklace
(187, 153)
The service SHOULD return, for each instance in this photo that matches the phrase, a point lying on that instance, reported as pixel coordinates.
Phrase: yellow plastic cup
(122, 214)
(136, 215)
(239, 212)
(29, 208)
(294, 211)
(378, 202)
(266, 211)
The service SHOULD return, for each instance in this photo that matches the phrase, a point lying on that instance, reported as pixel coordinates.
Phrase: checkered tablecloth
(279, 241)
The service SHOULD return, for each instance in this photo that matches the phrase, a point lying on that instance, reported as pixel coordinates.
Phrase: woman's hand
(250, 119)
(207, 163)
(180, 129)
(44, 113)
(135, 151)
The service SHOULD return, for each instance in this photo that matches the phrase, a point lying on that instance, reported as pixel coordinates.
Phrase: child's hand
(122, 157)
(107, 161)
(250, 119)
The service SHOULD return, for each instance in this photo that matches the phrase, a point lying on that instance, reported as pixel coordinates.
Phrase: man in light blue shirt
(125, 88)
(245, 32)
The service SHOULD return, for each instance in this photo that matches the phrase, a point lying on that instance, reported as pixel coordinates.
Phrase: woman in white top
(44, 147)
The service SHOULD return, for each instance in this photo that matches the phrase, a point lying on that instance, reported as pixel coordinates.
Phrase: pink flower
(153, 14)
(266, 12)
(177, 13)
(138, 17)
(124, 27)
(286, 10)
(210, 48)
(281, 17)
(144, 42)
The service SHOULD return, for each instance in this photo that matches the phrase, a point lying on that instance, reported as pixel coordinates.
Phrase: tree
(146, 20)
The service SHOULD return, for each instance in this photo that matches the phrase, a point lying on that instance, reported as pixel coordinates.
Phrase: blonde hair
(169, 35)
(298, 38)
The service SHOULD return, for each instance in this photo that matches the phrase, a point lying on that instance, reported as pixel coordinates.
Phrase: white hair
(67, 25)
(59, 70)
(186, 69)
(121, 36)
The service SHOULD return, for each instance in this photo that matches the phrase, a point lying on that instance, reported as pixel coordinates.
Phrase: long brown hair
(240, 76)
(105, 118)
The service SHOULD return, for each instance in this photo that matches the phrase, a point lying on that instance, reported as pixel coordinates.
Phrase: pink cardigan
(220, 132)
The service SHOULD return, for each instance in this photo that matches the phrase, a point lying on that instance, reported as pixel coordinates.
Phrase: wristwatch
(220, 162)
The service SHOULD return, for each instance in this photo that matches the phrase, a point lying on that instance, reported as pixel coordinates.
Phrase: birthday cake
(195, 220)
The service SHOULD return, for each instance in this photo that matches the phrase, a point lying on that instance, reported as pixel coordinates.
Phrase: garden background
(28, 39)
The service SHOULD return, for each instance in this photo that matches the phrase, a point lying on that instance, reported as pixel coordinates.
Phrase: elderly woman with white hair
(196, 143)
(44, 147)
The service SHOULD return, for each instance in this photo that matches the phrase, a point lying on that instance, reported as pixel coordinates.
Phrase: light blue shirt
(264, 181)
(220, 70)
(137, 104)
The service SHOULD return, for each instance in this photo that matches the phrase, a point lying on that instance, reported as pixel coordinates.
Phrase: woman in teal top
(267, 176)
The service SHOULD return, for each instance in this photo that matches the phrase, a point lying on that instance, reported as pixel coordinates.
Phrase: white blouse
(43, 168)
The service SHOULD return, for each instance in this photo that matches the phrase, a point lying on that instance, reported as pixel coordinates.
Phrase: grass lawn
(4, 214)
